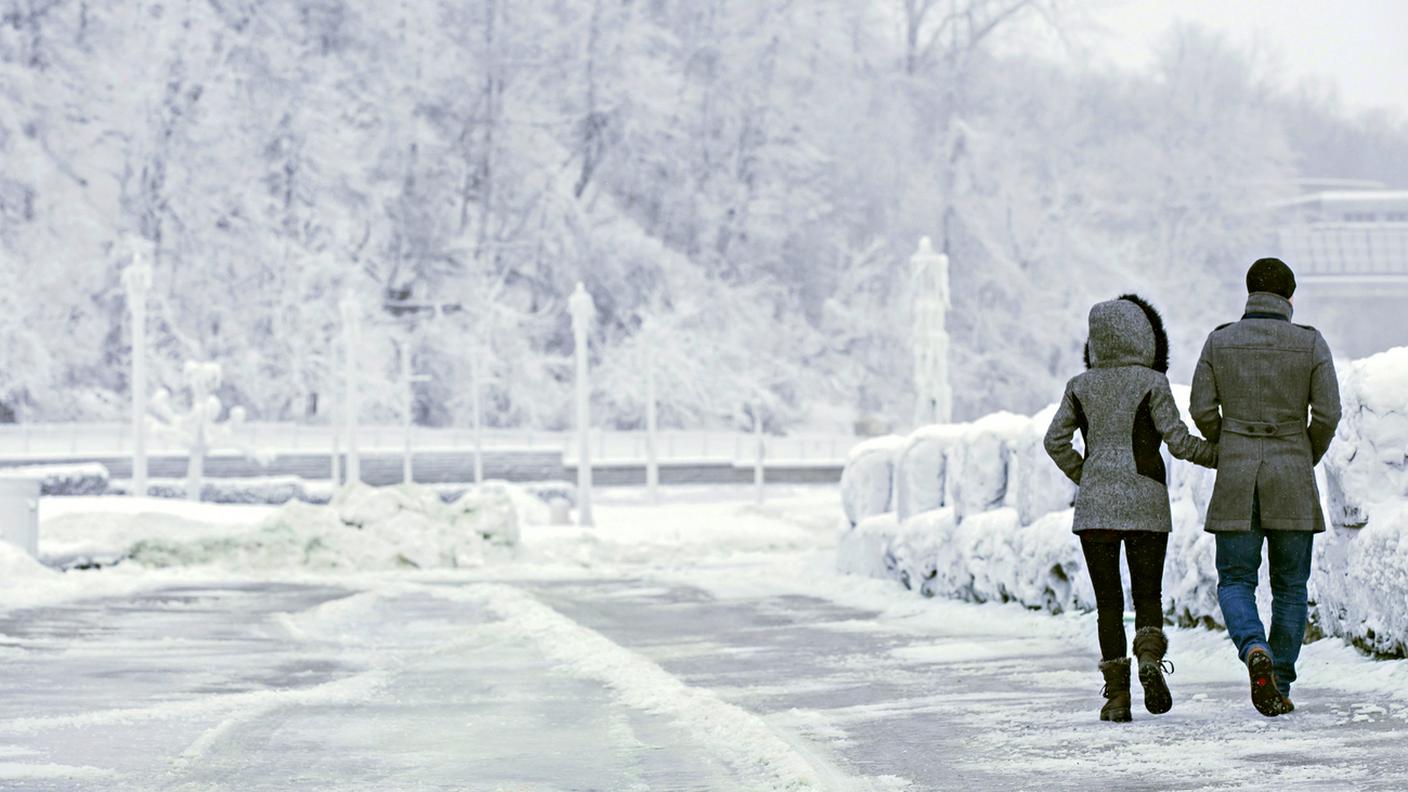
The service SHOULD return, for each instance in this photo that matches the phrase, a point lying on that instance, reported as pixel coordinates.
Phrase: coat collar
(1265, 305)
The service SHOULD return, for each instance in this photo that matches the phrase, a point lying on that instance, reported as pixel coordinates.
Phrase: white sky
(1360, 46)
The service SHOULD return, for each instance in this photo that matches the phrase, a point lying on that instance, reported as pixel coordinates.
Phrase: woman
(1125, 411)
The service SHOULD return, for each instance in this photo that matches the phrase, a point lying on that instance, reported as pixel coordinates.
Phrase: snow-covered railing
(977, 511)
(115, 439)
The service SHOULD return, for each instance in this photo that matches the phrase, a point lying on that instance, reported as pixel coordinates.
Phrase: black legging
(1145, 552)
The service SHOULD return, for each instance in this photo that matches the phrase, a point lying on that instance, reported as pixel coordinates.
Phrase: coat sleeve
(1324, 400)
(1181, 443)
(1204, 405)
(1060, 434)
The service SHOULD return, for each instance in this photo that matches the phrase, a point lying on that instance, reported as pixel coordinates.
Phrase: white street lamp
(929, 285)
(758, 451)
(652, 457)
(583, 312)
(137, 280)
(476, 365)
(409, 379)
(351, 340)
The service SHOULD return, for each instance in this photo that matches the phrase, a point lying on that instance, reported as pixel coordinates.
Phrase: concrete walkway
(627, 682)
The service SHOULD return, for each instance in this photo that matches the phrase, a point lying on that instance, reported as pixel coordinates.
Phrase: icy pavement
(736, 664)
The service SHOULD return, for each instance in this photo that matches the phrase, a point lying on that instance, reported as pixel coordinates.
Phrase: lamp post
(137, 280)
(583, 311)
(408, 378)
(351, 340)
(930, 286)
(476, 365)
(758, 451)
(652, 457)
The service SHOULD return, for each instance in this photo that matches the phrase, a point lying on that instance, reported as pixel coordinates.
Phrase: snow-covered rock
(868, 481)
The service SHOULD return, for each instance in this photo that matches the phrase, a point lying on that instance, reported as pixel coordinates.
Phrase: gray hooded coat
(1125, 410)
(1265, 389)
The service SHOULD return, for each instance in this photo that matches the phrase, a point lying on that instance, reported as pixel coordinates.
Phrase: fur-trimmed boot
(1116, 691)
(1150, 646)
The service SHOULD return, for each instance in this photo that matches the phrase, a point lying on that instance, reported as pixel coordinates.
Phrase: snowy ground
(705, 644)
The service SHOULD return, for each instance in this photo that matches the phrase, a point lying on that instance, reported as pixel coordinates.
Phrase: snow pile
(980, 513)
(404, 526)
(88, 478)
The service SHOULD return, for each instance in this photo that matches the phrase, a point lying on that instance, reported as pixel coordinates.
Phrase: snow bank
(362, 528)
(88, 478)
(978, 512)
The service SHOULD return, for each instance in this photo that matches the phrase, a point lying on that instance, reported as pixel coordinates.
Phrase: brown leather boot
(1150, 646)
(1266, 697)
(1116, 691)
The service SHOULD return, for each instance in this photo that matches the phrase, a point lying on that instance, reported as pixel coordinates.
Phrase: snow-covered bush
(1002, 531)
(1040, 486)
(362, 527)
(1367, 465)
(864, 548)
(920, 469)
(271, 490)
(868, 480)
(88, 478)
(979, 463)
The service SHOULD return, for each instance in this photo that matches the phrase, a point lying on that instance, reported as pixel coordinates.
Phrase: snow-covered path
(710, 665)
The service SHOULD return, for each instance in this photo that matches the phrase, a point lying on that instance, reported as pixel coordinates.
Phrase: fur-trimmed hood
(1126, 331)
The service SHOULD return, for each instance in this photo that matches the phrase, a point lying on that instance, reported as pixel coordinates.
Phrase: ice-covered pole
(137, 280)
(758, 452)
(583, 311)
(652, 458)
(930, 289)
(407, 408)
(477, 406)
(351, 340)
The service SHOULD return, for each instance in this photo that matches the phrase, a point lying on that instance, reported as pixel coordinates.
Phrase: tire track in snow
(743, 739)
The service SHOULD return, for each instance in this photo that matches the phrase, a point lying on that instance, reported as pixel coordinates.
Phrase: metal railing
(79, 440)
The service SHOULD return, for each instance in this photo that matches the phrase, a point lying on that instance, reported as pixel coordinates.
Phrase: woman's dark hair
(1160, 335)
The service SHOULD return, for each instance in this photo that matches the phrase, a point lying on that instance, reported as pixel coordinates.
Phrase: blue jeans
(1238, 561)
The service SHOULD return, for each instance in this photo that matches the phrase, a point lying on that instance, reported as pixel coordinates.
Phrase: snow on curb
(744, 739)
(978, 512)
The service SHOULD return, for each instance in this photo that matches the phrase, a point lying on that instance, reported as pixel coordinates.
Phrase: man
(1255, 384)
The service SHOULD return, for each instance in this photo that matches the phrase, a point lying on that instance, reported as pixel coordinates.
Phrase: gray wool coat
(1266, 390)
(1125, 410)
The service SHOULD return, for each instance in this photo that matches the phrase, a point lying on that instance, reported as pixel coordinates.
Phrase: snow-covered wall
(978, 512)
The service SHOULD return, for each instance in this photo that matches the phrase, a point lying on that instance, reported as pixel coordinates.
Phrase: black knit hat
(1271, 275)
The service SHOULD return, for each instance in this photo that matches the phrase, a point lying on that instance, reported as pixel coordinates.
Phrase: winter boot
(1150, 646)
(1116, 691)
(1266, 696)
